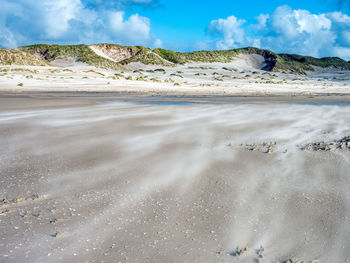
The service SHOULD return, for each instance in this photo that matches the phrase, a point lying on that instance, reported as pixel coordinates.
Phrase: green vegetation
(34, 71)
(81, 52)
(282, 62)
(155, 80)
(17, 57)
(229, 69)
(176, 75)
(95, 72)
(301, 64)
(142, 78)
(202, 68)
(223, 56)
(20, 84)
(43, 54)
(117, 75)
(169, 55)
(197, 56)
(147, 56)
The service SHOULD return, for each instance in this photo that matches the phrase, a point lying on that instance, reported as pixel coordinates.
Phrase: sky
(317, 28)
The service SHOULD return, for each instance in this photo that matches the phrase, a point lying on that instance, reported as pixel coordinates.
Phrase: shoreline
(332, 99)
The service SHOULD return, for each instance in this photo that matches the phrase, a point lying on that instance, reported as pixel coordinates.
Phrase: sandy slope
(107, 181)
(101, 53)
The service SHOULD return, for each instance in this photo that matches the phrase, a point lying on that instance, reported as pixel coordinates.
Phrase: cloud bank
(287, 30)
(24, 22)
(73, 21)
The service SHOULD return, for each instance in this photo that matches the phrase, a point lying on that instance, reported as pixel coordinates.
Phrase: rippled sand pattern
(139, 182)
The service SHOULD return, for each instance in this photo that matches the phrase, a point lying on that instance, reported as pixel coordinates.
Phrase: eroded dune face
(113, 52)
(164, 183)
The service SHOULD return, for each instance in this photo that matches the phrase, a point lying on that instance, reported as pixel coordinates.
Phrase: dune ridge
(113, 56)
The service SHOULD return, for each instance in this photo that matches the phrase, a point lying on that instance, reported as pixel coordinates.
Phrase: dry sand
(90, 174)
(142, 179)
(242, 76)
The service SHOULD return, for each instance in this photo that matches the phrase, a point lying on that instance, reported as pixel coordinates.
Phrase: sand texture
(136, 180)
(242, 76)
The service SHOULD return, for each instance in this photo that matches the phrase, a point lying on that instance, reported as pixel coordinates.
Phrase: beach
(104, 177)
(157, 131)
(242, 76)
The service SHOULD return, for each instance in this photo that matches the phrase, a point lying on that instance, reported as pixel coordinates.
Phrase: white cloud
(7, 38)
(343, 52)
(298, 31)
(288, 30)
(134, 29)
(157, 43)
(58, 13)
(262, 20)
(229, 30)
(70, 21)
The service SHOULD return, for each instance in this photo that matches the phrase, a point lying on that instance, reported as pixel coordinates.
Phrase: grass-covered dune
(121, 56)
(17, 57)
(301, 64)
(223, 56)
(81, 52)
(273, 61)
(149, 57)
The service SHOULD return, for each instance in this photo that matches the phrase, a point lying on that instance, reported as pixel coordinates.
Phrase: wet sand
(88, 177)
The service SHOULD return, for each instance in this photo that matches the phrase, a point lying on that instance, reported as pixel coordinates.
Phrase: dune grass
(81, 52)
(17, 57)
(273, 62)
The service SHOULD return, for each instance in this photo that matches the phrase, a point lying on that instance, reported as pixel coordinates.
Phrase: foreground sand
(138, 179)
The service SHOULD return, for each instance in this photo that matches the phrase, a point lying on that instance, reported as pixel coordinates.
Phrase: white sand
(87, 179)
(100, 53)
(242, 76)
(134, 182)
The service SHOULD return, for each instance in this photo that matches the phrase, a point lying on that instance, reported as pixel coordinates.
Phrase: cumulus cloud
(298, 31)
(287, 30)
(135, 29)
(71, 21)
(58, 14)
(229, 30)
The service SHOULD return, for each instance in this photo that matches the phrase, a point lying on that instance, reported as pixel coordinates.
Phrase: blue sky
(309, 27)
